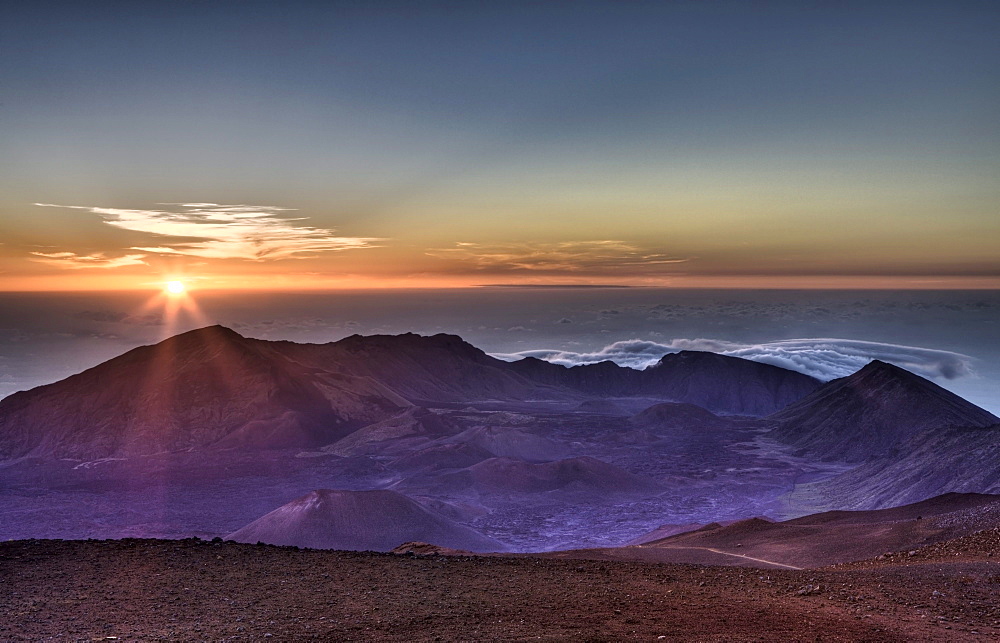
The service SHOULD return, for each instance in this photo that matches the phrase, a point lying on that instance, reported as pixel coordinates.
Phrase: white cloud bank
(214, 231)
(822, 358)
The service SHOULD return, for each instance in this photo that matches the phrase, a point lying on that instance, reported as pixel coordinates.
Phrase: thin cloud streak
(214, 231)
(566, 256)
(822, 358)
(73, 261)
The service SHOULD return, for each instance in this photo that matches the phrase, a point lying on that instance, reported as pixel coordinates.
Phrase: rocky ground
(201, 590)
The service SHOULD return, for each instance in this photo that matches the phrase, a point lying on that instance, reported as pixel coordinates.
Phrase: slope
(870, 413)
(205, 387)
(361, 521)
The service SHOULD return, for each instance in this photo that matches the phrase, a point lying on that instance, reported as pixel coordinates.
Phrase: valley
(528, 456)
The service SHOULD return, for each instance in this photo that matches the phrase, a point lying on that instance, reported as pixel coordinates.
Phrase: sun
(176, 287)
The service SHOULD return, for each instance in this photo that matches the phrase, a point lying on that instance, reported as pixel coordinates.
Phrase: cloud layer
(822, 358)
(566, 256)
(213, 231)
(73, 261)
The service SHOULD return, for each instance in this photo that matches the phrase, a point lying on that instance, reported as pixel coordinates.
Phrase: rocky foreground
(199, 590)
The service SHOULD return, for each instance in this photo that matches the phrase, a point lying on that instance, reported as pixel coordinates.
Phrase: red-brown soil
(198, 590)
(817, 540)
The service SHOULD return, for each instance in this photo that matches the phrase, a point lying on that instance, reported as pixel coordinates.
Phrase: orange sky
(670, 144)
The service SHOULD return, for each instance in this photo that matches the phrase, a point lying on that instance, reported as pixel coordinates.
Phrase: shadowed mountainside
(715, 382)
(872, 412)
(932, 462)
(434, 369)
(209, 387)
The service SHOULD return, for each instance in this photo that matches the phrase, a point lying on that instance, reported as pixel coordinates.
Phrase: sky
(298, 145)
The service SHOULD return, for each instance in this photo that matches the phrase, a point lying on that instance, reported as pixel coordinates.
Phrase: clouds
(823, 358)
(634, 353)
(73, 261)
(211, 231)
(565, 256)
(831, 358)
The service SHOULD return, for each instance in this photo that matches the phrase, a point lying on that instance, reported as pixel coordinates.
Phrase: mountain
(212, 388)
(218, 429)
(725, 384)
(207, 387)
(719, 383)
(445, 368)
(360, 521)
(425, 370)
(870, 413)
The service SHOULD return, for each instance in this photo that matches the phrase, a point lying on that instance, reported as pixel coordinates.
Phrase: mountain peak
(197, 343)
(878, 377)
(878, 367)
(213, 333)
(218, 329)
(871, 412)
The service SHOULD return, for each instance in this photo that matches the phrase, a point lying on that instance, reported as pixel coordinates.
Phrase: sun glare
(175, 305)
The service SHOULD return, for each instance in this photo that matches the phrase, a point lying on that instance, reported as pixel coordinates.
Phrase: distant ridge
(718, 383)
(424, 369)
(872, 412)
(212, 388)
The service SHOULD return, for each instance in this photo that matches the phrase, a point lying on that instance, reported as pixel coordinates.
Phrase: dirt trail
(727, 553)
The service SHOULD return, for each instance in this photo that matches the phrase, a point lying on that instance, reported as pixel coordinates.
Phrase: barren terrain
(197, 590)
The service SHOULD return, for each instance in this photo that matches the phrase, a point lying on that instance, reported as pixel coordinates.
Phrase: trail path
(726, 553)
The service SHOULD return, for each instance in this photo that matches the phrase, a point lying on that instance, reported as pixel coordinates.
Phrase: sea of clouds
(822, 358)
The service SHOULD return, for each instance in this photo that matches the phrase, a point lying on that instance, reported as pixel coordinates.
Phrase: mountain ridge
(213, 388)
(718, 383)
